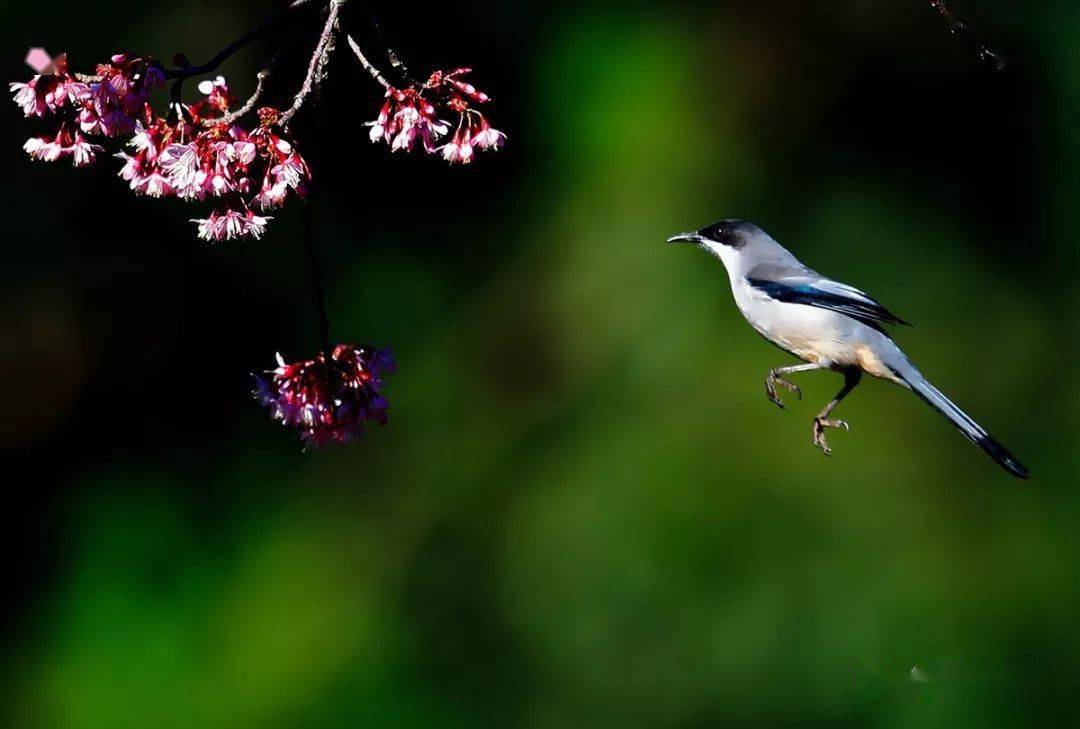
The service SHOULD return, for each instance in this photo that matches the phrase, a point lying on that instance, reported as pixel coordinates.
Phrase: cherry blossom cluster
(328, 399)
(409, 118)
(241, 171)
(109, 104)
(195, 155)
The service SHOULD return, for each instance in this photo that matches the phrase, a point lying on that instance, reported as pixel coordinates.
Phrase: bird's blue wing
(826, 294)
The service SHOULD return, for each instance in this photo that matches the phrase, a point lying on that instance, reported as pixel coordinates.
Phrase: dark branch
(375, 73)
(395, 61)
(260, 80)
(222, 55)
(317, 66)
(316, 280)
(959, 28)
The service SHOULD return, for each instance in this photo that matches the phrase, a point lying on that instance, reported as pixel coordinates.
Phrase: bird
(828, 324)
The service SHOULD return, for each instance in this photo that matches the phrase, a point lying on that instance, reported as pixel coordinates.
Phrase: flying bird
(830, 325)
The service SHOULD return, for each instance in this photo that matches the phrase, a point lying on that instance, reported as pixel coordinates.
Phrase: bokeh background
(584, 512)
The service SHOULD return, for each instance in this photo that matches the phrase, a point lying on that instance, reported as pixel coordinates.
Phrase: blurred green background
(584, 512)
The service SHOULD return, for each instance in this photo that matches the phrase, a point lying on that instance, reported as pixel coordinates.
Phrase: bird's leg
(774, 378)
(821, 422)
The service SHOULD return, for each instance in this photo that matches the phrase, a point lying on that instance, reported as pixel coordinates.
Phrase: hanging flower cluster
(204, 152)
(109, 104)
(409, 118)
(328, 399)
(195, 155)
(240, 171)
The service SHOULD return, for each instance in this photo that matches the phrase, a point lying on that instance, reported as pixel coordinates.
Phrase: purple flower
(329, 399)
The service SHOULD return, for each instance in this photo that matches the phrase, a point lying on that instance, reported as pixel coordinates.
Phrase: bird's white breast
(808, 332)
(812, 333)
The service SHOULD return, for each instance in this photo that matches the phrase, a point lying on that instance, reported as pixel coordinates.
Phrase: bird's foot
(820, 424)
(772, 381)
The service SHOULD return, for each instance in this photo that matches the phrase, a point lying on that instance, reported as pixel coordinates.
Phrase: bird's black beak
(685, 238)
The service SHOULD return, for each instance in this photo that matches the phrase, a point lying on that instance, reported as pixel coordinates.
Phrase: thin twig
(375, 74)
(317, 66)
(253, 100)
(186, 70)
(246, 108)
(395, 61)
(224, 53)
(962, 29)
(397, 64)
(316, 280)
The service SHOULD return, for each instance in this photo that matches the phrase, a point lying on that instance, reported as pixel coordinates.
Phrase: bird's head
(729, 233)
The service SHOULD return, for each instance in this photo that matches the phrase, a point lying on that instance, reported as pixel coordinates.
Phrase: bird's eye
(716, 232)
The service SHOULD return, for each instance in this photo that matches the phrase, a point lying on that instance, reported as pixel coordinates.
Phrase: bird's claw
(820, 424)
(770, 389)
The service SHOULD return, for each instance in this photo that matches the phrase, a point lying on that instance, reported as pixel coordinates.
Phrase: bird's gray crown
(730, 232)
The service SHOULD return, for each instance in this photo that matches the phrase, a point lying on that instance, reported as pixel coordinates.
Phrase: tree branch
(317, 66)
(395, 61)
(316, 280)
(246, 108)
(962, 29)
(375, 74)
(224, 53)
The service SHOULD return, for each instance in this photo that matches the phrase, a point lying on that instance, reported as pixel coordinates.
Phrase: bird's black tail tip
(1004, 459)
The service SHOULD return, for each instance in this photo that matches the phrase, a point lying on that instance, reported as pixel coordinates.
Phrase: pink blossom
(119, 101)
(217, 101)
(47, 93)
(145, 139)
(229, 224)
(473, 131)
(285, 169)
(417, 122)
(221, 178)
(488, 137)
(228, 169)
(82, 152)
(216, 92)
(292, 173)
(144, 177)
(183, 165)
(143, 170)
(459, 149)
(155, 185)
(26, 96)
(464, 87)
(50, 148)
(272, 194)
(406, 118)
(215, 163)
(45, 148)
(293, 170)
(379, 131)
(111, 123)
(130, 170)
(409, 116)
(244, 152)
(38, 59)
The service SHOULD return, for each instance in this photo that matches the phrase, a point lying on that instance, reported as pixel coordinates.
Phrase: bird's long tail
(963, 422)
